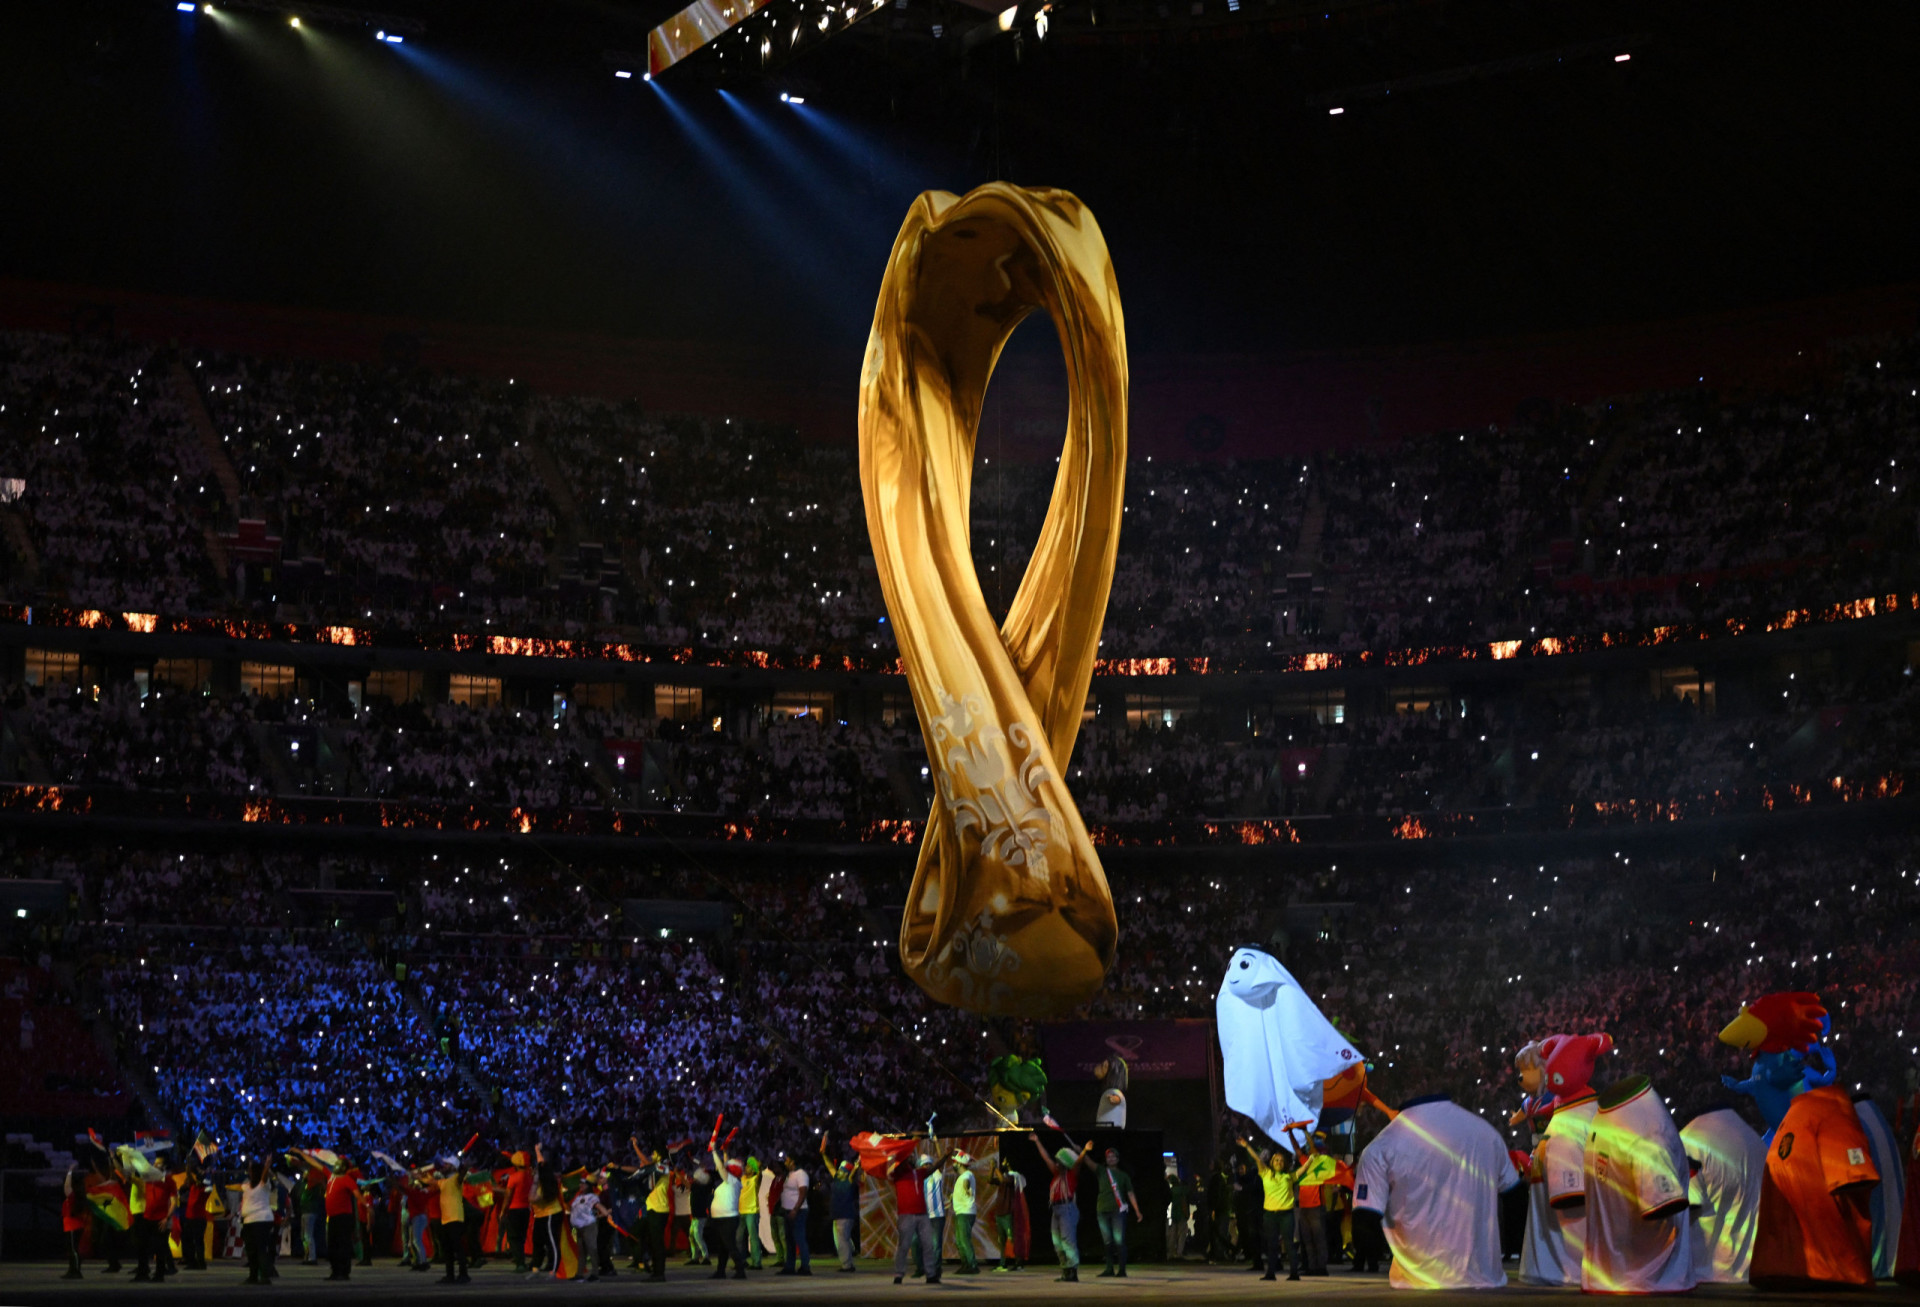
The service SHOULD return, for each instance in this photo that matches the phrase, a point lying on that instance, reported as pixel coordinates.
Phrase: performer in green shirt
(1114, 1190)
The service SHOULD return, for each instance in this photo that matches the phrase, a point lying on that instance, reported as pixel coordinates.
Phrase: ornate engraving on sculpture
(1009, 910)
(995, 811)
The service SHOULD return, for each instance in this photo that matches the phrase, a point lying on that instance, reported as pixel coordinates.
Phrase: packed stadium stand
(384, 711)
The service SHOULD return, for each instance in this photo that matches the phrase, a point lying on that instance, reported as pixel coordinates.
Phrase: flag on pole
(878, 1151)
(107, 1199)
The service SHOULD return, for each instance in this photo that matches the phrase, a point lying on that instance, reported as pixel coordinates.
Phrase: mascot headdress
(1568, 1062)
(1783, 1031)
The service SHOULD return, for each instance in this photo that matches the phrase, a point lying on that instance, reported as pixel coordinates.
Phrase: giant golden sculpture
(1009, 913)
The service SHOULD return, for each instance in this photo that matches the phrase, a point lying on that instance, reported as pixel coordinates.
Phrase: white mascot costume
(1278, 1050)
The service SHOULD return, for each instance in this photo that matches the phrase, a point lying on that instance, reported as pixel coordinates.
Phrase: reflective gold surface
(1009, 912)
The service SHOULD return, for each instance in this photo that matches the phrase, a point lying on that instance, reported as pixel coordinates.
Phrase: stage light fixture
(622, 74)
(186, 6)
(294, 21)
(1621, 58)
(1336, 110)
(394, 38)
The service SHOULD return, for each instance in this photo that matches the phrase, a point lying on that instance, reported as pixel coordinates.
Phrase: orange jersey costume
(1814, 1224)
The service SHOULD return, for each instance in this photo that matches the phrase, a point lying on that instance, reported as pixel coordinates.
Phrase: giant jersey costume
(1556, 1235)
(1884, 1207)
(1639, 1237)
(1725, 1193)
(1815, 1227)
(1816, 1223)
(1435, 1176)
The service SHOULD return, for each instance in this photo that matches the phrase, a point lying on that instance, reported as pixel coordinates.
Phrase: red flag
(878, 1151)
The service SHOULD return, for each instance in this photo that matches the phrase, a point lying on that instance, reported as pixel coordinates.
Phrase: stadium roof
(1269, 173)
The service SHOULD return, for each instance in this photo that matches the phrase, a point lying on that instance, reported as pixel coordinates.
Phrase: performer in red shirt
(363, 1214)
(910, 1212)
(73, 1218)
(519, 1191)
(343, 1194)
(193, 1219)
(159, 1215)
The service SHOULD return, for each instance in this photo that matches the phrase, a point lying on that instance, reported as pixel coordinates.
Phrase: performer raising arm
(1063, 1195)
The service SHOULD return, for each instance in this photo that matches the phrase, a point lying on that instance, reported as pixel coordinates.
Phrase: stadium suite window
(268, 680)
(1684, 684)
(1158, 710)
(1327, 707)
(395, 686)
(600, 694)
(473, 691)
(1418, 702)
(52, 667)
(677, 703)
(801, 705)
(193, 674)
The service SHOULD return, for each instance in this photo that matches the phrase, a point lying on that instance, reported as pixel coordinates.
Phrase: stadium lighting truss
(751, 34)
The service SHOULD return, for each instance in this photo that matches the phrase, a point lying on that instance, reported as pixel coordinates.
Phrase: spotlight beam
(332, 14)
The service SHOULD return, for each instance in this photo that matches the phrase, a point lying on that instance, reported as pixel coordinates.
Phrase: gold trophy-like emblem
(1009, 913)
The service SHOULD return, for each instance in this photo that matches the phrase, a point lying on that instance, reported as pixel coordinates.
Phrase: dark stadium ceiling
(1492, 167)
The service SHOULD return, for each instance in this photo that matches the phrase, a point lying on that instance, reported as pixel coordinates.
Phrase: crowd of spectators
(399, 498)
(373, 998)
(1555, 756)
(257, 1036)
(800, 1019)
(168, 740)
(105, 494)
(460, 753)
(1198, 765)
(404, 499)
(807, 767)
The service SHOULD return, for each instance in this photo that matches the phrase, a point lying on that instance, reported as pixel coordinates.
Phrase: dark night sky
(494, 171)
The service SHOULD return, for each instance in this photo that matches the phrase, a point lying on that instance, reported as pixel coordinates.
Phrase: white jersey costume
(1890, 1195)
(1725, 1193)
(1556, 1236)
(1435, 1175)
(1639, 1235)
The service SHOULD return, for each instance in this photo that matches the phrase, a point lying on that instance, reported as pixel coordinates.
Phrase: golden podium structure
(1009, 914)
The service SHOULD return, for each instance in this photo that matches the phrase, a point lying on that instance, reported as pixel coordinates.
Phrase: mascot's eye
(1244, 964)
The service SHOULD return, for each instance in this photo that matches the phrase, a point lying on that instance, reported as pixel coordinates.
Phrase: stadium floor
(34, 1283)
